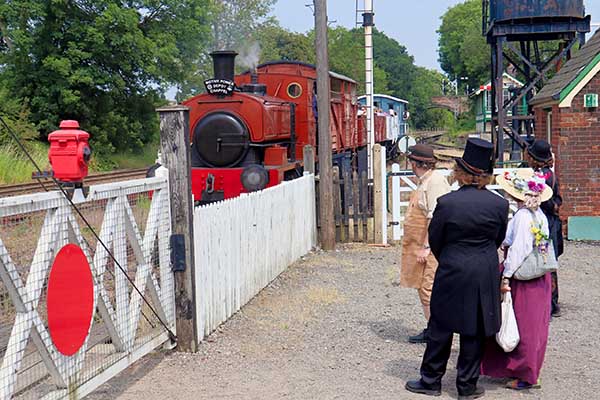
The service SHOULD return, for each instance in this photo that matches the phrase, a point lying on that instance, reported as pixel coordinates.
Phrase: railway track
(94, 179)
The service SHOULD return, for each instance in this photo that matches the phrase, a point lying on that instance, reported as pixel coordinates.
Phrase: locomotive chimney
(254, 76)
(224, 64)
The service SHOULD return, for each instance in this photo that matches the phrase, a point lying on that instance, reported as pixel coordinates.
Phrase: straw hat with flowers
(524, 182)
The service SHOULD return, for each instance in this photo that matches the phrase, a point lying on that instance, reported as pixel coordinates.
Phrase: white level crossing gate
(405, 182)
(133, 220)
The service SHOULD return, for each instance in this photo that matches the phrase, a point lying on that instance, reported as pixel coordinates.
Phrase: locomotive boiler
(248, 131)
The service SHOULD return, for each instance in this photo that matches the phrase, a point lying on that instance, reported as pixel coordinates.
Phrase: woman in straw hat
(539, 157)
(465, 232)
(531, 298)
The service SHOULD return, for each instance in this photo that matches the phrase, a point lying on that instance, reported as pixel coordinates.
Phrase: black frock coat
(467, 228)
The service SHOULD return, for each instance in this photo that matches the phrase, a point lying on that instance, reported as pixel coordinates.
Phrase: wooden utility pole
(175, 147)
(323, 108)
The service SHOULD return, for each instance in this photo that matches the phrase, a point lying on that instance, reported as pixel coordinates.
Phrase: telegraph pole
(324, 148)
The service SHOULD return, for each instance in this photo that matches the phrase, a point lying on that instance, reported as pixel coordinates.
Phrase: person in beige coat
(418, 265)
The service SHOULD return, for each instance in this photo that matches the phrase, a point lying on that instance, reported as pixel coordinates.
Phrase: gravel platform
(334, 326)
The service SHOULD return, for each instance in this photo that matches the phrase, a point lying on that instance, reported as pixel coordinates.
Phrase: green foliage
(233, 26)
(464, 124)
(140, 159)
(462, 48)
(15, 167)
(347, 55)
(102, 63)
(277, 43)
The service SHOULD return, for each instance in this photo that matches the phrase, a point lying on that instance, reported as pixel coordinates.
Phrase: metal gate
(132, 294)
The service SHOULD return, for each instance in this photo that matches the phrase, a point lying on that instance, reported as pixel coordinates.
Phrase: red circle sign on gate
(70, 299)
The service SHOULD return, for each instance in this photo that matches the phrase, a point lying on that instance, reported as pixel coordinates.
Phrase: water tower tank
(502, 10)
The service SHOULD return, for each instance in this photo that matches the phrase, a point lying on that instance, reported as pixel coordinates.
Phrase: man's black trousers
(436, 357)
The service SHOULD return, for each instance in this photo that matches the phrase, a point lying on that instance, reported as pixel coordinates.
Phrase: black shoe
(556, 312)
(477, 393)
(421, 387)
(420, 338)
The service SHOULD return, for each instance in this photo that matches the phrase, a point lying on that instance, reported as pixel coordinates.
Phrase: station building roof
(573, 76)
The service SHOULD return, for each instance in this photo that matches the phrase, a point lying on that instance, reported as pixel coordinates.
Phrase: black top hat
(421, 152)
(540, 150)
(478, 157)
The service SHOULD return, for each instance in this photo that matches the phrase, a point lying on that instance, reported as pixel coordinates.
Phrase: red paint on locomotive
(265, 123)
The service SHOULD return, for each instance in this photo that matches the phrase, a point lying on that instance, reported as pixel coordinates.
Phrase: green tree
(277, 43)
(233, 26)
(347, 57)
(427, 84)
(102, 63)
(463, 51)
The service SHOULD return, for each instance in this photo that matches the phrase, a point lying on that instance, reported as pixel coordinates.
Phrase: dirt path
(334, 326)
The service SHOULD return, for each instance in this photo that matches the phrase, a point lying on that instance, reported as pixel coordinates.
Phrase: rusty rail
(94, 179)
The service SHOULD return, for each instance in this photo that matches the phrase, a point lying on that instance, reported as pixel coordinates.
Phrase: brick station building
(568, 116)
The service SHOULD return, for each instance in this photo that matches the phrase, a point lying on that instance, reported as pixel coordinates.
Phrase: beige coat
(420, 210)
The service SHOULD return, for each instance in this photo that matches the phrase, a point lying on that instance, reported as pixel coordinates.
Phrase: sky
(413, 23)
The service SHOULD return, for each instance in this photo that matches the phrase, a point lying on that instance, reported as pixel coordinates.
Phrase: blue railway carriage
(396, 112)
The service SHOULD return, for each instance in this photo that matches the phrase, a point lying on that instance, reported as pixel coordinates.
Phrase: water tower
(533, 38)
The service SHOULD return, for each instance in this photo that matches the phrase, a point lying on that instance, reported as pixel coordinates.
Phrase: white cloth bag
(508, 336)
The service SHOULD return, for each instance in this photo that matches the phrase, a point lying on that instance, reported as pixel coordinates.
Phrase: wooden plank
(355, 204)
(396, 226)
(337, 205)
(347, 202)
(175, 146)
(364, 205)
(309, 159)
(378, 194)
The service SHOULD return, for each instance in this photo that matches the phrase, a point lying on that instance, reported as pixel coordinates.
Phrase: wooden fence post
(379, 194)
(397, 227)
(309, 159)
(175, 147)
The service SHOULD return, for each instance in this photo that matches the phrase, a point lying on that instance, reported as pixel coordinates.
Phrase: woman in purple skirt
(528, 228)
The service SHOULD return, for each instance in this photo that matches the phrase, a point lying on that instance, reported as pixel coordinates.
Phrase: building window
(294, 90)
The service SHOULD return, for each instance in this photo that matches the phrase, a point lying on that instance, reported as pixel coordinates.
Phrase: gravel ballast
(335, 326)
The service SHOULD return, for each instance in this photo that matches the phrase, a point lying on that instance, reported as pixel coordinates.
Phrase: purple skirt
(531, 302)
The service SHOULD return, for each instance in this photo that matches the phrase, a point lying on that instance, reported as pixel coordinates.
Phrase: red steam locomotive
(248, 131)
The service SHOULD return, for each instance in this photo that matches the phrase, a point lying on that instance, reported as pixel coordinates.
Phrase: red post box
(69, 152)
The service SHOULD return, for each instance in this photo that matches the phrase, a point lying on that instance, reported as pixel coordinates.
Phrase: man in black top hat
(539, 157)
(467, 228)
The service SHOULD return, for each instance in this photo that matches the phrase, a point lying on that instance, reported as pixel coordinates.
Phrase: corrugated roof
(569, 72)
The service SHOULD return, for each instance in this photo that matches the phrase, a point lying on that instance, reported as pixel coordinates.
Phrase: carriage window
(294, 90)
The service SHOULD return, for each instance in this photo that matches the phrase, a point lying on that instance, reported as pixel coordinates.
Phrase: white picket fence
(242, 244)
(404, 182)
(133, 220)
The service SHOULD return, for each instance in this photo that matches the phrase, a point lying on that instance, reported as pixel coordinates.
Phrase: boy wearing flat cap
(418, 265)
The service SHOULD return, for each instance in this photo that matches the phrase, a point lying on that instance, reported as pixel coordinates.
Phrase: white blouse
(520, 238)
